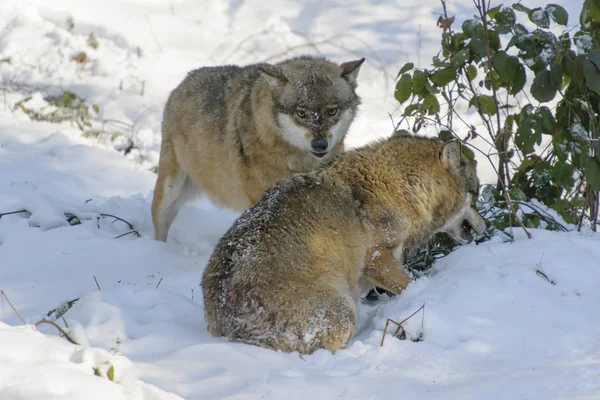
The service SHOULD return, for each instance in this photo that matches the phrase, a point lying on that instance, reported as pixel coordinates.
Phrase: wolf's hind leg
(173, 189)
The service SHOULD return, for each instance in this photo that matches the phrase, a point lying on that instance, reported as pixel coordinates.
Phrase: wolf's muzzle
(318, 147)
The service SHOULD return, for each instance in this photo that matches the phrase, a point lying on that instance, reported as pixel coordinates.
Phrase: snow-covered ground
(493, 327)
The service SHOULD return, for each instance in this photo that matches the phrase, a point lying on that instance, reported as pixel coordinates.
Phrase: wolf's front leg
(384, 270)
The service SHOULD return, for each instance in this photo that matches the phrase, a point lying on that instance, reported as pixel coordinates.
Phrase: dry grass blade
(61, 330)
(400, 329)
(543, 275)
(13, 307)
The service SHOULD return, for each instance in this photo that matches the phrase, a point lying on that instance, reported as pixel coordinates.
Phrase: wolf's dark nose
(319, 145)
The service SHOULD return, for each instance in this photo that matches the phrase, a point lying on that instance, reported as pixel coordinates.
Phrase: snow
(538, 16)
(493, 326)
(584, 43)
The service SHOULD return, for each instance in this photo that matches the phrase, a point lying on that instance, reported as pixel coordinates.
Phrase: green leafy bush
(536, 95)
(542, 150)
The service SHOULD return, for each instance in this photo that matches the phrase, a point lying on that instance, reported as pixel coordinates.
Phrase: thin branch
(13, 212)
(61, 330)
(543, 275)
(399, 324)
(129, 233)
(13, 307)
(118, 219)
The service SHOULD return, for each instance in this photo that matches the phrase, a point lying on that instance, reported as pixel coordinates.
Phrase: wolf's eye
(301, 113)
(332, 111)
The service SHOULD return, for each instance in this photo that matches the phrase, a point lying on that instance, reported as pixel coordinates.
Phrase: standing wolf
(232, 132)
(285, 276)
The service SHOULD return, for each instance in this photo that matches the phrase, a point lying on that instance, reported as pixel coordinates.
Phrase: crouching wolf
(232, 132)
(285, 275)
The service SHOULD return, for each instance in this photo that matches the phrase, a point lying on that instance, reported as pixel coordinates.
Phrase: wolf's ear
(350, 70)
(273, 75)
(451, 156)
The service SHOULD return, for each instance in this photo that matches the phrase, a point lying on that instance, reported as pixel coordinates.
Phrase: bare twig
(482, 8)
(543, 275)
(97, 285)
(399, 324)
(118, 219)
(159, 283)
(13, 307)
(13, 212)
(61, 330)
(128, 233)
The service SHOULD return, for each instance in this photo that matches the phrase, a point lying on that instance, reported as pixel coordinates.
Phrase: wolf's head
(315, 101)
(467, 220)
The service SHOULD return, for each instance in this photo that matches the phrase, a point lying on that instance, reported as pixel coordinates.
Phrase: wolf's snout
(319, 145)
(466, 230)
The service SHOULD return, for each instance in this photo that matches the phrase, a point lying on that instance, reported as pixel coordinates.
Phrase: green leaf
(411, 108)
(568, 214)
(594, 11)
(470, 26)
(519, 79)
(513, 41)
(484, 103)
(541, 88)
(458, 40)
(477, 46)
(401, 133)
(493, 11)
(419, 83)
(494, 39)
(461, 57)
(592, 173)
(110, 374)
(499, 62)
(594, 56)
(445, 135)
(555, 76)
(431, 103)
(506, 17)
(517, 194)
(407, 67)
(521, 30)
(521, 8)
(578, 202)
(565, 41)
(558, 14)
(503, 29)
(403, 88)
(439, 63)
(468, 153)
(568, 66)
(546, 119)
(443, 76)
(524, 139)
(592, 75)
(471, 72)
(531, 220)
(562, 173)
(540, 17)
(528, 133)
